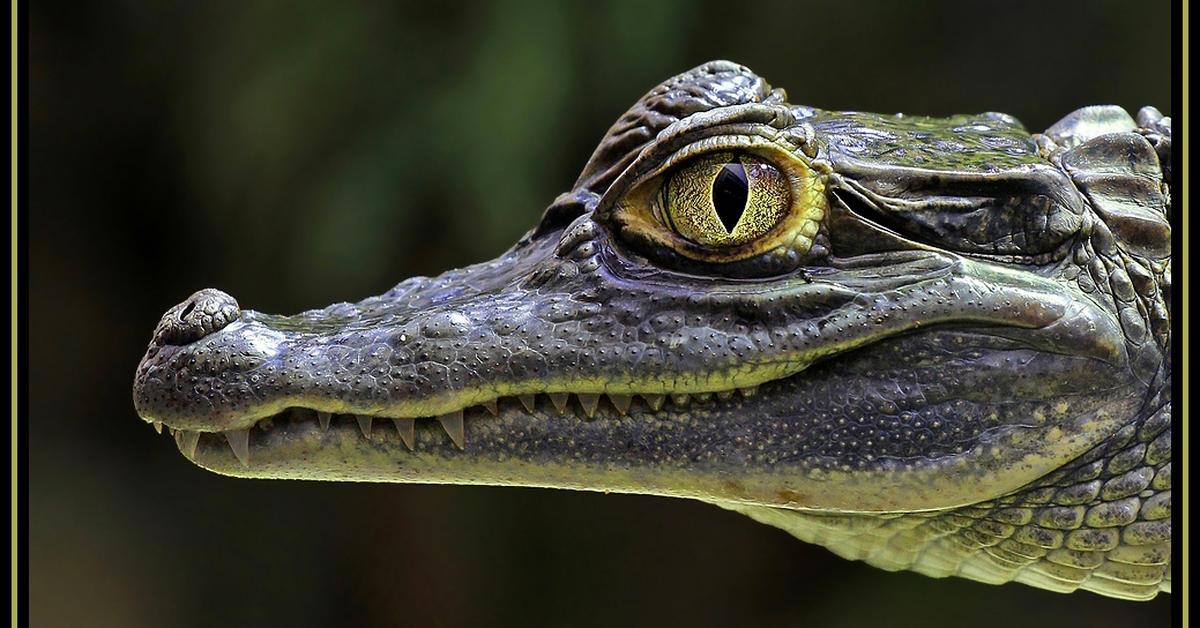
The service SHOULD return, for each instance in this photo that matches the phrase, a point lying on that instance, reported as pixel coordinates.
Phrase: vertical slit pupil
(729, 194)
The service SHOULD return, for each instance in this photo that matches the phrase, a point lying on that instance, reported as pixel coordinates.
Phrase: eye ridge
(730, 191)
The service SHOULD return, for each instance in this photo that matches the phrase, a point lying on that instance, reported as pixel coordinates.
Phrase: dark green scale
(984, 143)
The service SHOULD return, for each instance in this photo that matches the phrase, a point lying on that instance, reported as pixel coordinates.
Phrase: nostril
(203, 313)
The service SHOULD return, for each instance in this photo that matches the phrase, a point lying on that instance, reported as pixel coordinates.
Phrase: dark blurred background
(300, 153)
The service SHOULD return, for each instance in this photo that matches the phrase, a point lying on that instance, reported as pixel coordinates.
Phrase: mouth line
(580, 406)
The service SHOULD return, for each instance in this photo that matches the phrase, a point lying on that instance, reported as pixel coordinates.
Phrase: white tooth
(725, 395)
(748, 391)
(323, 419)
(589, 401)
(621, 402)
(560, 401)
(492, 407)
(528, 401)
(173, 431)
(187, 442)
(158, 426)
(239, 442)
(680, 399)
(364, 424)
(655, 401)
(408, 431)
(452, 422)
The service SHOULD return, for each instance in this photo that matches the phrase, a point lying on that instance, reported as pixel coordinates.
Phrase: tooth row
(452, 422)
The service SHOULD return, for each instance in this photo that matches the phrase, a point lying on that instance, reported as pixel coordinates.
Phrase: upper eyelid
(735, 144)
(767, 142)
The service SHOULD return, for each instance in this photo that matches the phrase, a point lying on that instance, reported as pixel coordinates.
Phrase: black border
(20, 99)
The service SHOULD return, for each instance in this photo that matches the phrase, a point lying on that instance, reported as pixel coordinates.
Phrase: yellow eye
(725, 199)
(732, 205)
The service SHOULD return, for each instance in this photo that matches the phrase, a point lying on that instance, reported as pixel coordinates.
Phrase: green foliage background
(299, 153)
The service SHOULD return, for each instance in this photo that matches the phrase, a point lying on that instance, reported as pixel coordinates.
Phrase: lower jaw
(303, 451)
(342, 453)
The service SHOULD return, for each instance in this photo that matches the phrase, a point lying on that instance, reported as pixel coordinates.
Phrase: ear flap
(709, 86)
(1122, 177)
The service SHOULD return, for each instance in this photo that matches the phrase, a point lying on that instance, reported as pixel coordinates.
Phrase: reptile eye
(737, 206)
(724, 199)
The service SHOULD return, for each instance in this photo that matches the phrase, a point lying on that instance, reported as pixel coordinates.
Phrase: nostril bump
(205, 312)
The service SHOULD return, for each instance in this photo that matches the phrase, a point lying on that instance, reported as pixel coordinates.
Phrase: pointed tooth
(748, 391)
(560, 401)
(492, 407)
(187, 442)
(655, 401)
(239, 442)
(528, 401)
(621, 402)
(173, 431)
(158, 426)
(364, 425)
(408, 432)
(589, 401)
(323, 419)
(680, 399)
(725, 395)
(452, 422)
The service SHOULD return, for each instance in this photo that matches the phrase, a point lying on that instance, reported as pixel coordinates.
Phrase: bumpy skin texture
(965, 370)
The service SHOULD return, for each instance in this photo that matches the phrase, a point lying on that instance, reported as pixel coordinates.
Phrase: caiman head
(920, 342)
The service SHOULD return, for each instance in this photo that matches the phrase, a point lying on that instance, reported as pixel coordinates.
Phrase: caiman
(934, 344)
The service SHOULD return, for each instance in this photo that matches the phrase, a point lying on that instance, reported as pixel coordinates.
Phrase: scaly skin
(952, 356)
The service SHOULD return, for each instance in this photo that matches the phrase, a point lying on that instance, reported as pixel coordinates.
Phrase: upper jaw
(588, 320)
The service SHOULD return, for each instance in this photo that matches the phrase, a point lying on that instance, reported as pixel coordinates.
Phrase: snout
(186, 358)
